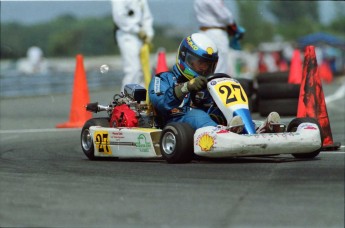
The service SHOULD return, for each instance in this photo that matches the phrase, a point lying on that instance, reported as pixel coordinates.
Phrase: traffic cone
(312, 100)
(295, 75)
(325, 72)
(80, 97)
(161, 62)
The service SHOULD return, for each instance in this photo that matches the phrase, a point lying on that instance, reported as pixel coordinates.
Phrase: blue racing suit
(170, 108)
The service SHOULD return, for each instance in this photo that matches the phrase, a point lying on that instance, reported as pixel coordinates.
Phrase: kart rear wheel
(86, 137)
(292, 127)
(176, 143)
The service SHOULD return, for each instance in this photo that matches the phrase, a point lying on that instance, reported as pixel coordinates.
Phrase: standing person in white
(217, 22)
(134, 23)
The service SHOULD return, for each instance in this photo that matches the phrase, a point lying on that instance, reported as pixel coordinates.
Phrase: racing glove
(144, 37)
(194, 85)
(231, 29)
(236, 30)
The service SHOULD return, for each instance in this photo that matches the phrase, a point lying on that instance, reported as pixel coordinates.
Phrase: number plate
(102, 142)
(231, 93)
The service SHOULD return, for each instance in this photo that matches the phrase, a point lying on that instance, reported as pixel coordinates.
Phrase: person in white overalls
(217, 22)
(134, 27)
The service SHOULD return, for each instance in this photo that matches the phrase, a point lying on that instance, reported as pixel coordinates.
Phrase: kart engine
(127, 109)
(130, 109)
(123, 116)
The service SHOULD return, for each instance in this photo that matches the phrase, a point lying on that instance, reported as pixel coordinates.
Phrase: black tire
(285, 107)
(86, 140)
(280, 77)
(278, 91)
(176, 143)
(292, 127)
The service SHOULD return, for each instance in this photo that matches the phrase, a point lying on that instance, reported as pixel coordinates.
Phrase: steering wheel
(218, 75)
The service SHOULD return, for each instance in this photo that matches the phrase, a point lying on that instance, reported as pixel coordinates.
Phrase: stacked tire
(276, 94)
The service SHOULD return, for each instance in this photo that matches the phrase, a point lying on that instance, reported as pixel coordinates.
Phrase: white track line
(38, 130)
(333, 152)
(340, 93)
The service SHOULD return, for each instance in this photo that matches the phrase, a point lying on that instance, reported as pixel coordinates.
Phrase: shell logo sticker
(209, 51)
(206, 142)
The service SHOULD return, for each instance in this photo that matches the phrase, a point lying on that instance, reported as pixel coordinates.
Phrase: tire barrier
(274, 93)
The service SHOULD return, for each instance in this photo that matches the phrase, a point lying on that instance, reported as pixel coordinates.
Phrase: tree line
(68, 35)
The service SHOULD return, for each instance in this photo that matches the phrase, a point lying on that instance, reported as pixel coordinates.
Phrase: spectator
(217, 22)
(133, 22)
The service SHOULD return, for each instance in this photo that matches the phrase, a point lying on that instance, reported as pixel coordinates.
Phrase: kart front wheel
(176, 143)
(292, 127)
(86, 137)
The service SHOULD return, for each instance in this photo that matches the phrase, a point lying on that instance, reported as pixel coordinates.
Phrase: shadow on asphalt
(202, 160)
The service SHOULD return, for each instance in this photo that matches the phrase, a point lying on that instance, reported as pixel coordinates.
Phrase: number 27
(101, 141)
(228, 90)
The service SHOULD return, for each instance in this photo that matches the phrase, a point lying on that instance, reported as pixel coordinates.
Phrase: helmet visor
(202, 66)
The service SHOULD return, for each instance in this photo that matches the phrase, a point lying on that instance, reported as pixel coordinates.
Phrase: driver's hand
(197, 84)
(142, 34)
(194, 85)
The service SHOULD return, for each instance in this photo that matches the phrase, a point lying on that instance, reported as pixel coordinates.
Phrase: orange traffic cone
(80, 98)
(312, 100)
(325, 72)
(295, 75)
(161, 62)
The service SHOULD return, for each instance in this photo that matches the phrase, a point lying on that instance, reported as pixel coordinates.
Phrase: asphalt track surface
(46, 181)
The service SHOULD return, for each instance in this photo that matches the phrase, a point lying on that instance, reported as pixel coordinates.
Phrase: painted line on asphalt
(333, 152)
(38, 130)
(339, 94)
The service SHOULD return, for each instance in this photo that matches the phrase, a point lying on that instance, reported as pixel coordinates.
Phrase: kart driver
(180, 95)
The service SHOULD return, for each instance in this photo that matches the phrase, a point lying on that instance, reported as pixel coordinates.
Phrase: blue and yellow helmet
(197, 56)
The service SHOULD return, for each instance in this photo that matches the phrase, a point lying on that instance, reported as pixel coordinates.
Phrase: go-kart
(132, 129)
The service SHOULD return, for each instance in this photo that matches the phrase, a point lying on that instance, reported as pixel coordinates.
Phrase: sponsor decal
(310, 128)
(117, 135)
(142, 144)
(157, 85)
(266, 135)
(223, 131)
(307, 126)
(205, 141)
(191, 43)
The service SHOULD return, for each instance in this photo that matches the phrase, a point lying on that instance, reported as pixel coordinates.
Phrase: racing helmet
(197, 56)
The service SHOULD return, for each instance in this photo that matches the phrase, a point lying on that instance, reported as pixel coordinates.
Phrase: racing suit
(170, 108)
